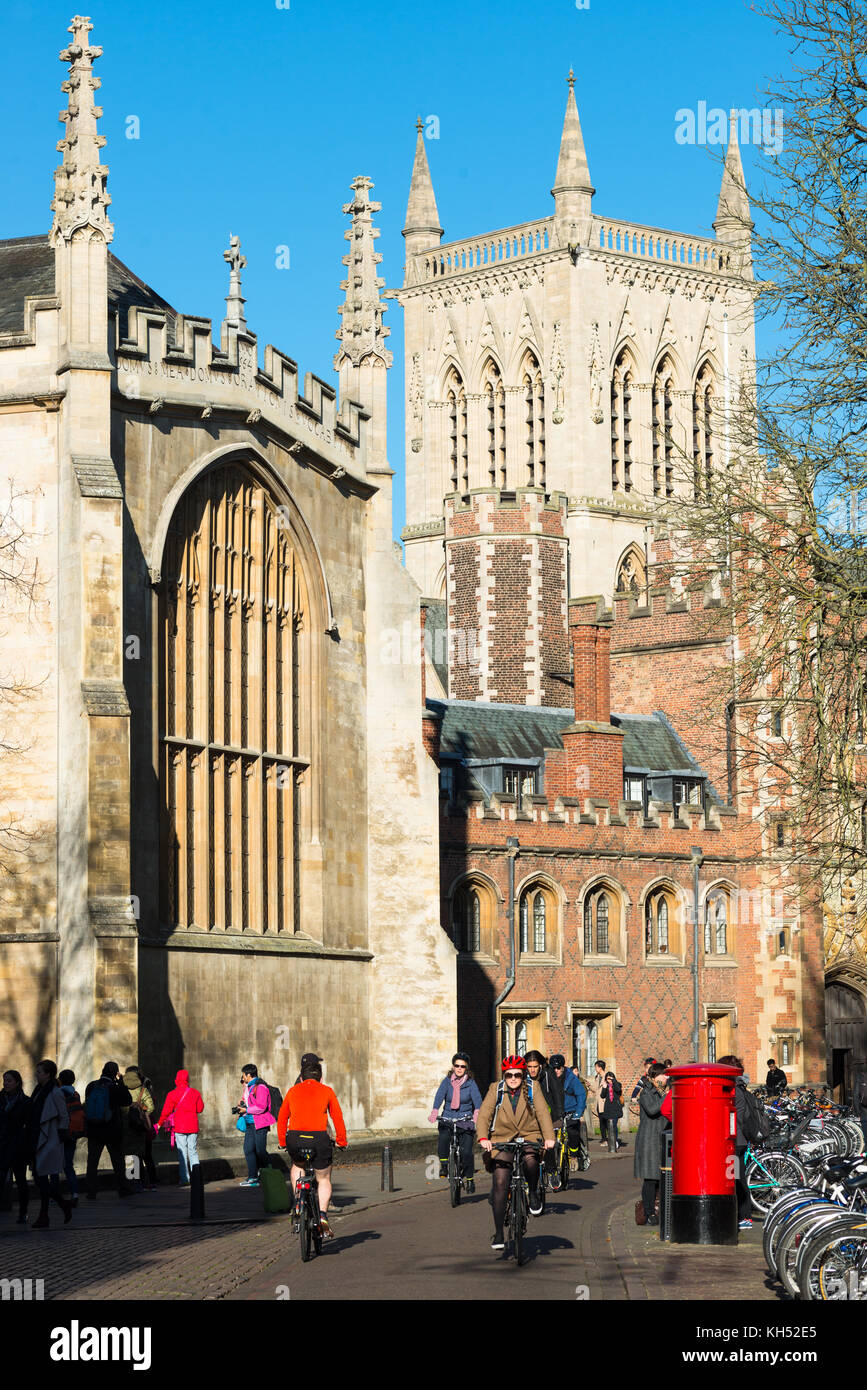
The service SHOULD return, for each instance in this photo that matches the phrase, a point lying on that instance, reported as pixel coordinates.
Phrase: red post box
(704, 1209)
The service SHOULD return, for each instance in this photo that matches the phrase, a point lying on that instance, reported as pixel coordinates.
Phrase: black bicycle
(308, 1217)
(518, 1197)
(456, 1181)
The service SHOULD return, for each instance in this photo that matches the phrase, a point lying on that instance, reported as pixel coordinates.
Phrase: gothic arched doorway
(845, 1035)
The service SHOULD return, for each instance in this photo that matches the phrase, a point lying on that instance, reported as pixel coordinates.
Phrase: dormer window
(519, 781)
(687, 792)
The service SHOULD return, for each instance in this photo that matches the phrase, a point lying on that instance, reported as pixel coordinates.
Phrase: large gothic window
(702, 430)
(534, 421)
(495, 420)
(456, 404)
(233, 610)
(622, 384)
(662, 407)
(631, 575)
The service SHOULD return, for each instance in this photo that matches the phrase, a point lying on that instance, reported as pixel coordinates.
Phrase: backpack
(275, 1093)
(75, 1111)
(755, 1123)
(501, 1089)
(139, 1120)
(98, 1109)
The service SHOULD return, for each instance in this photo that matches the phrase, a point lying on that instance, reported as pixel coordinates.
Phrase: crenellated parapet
(183, 368)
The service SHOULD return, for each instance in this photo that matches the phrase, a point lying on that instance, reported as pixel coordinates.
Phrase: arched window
(534, 420)
(456, 402)
(631, 575)
(473, 916)
(662, 924)
(622, 383)
(662, 407)
(716, 924)
(537, 918)
(603, 923)
(495, 422)
(702, 430)
(234, 632)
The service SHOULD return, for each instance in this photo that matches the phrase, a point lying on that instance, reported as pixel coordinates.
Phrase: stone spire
(733, 223)
(234, 299)
(80, 196)
(362, 334)
(422, 228)
(573, 191)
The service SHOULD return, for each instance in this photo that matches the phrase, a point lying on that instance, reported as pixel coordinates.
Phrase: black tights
(500, 1180)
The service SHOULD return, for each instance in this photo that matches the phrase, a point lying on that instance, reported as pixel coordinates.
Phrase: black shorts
(318, 1140)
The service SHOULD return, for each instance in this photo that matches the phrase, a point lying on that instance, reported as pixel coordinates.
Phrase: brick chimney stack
(594, 747)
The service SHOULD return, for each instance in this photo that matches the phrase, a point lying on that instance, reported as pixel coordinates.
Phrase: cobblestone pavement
(404, 1244)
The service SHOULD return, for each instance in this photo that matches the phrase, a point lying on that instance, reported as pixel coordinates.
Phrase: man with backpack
(103, 1100)
(752, 1124)
(256, 1111)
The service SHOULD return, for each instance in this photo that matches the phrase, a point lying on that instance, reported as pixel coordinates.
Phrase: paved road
(405, 1244)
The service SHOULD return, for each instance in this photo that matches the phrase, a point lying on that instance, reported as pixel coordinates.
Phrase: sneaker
(470, 1185)
(619, 1145)
(498, 1241)
(327, 1233)
(296, 1227)
(536, 1203)
(249, 1182)
(652, 1221)
(444, 1170)
(745, 1225)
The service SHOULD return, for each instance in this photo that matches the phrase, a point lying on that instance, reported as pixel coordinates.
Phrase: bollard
(387, 1179)
(197, 1194)
(612, 1138)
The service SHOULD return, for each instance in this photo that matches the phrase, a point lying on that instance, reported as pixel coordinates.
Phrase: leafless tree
(20, 588)
(783, 515)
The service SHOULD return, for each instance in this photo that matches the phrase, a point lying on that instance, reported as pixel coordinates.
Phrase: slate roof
(520, 733)
(27, 268)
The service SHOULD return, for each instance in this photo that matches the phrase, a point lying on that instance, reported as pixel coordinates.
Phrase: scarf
(457, 1083)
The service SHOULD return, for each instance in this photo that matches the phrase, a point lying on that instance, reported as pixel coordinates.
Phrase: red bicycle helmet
(514, 1064)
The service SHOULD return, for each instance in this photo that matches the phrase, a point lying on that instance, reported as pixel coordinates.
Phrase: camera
(236, 1109)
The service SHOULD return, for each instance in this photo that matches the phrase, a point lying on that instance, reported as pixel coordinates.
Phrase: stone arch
(618, 906)
(490, 900)
(678, 916)
(241, 607)
(533, 886)
(630, 574)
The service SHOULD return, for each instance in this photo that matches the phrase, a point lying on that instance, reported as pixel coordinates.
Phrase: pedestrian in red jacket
(180, 1117)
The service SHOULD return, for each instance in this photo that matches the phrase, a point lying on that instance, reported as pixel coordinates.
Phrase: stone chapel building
(556, 372)
(231, 845)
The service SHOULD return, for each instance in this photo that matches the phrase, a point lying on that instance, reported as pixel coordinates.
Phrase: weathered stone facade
(225, 780)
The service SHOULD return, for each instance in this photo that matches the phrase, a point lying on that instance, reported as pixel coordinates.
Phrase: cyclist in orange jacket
(303, 1123)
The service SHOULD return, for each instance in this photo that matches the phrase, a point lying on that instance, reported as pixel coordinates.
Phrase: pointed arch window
(631, 574)
(473, 913)
(662, 925)
(622, 388)
(717, 931)
(234, 633)
(662, 408)
(703, 430)
(495, 421)
(534, 421)
(456, 404)
(537, 917)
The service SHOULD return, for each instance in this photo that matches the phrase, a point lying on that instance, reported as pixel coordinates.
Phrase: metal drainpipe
(511, 852)
(697, 859)
(730, 712)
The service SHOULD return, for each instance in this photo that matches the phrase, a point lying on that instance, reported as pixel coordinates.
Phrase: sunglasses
(513, 1073)
(462, 1066)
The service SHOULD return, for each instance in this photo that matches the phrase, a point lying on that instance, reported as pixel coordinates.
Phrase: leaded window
(539, 922)
(234, 616)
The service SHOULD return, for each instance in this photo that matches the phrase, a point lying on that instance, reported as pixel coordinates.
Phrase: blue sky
(255, 116)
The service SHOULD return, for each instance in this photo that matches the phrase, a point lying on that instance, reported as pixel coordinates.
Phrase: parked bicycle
(815, 1238)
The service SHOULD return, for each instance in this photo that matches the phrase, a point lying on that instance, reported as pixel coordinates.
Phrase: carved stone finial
(234, 299)
(362, 334)
(419, 125)
(571, 79)
(80, 194)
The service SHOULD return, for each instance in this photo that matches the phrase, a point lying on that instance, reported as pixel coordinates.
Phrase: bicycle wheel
(454, 1178)
(768, 1175)
(805, 1226)
(775, 1223)
(519, 1222)
(564, 1169)
(838, 1248)
(846, 1282)
(306, 1231)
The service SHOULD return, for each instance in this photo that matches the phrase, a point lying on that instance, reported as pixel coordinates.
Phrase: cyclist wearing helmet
(461, 1100)
(517, 1116)
(568, 1096)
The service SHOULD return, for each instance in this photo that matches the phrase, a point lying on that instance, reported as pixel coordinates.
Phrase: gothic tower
(558, 372)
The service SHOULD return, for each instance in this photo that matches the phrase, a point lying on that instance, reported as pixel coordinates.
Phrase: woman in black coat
(612, 1108)
(14, 1115)
(650, 1126)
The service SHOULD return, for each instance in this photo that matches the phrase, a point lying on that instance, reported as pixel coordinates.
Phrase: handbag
(241, 1124)
(640, 1213)
(169, 1121)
